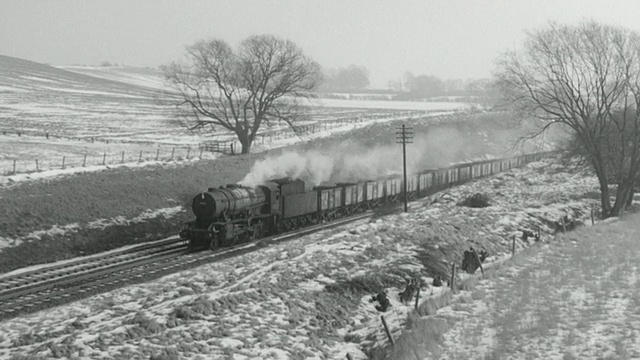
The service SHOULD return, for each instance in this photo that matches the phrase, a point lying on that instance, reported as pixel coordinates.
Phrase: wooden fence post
(564, 226)
(84, 161)
(140, 156)
(201, 148)
(386, 329)
(14, 166)
(173, 152)
(188, 152)
(37, 167)
(513, 245)
(157, 154)
(417, 298)
(122, 160)
(104, 158)
(592, 217)
(453, 278)
(63, 159)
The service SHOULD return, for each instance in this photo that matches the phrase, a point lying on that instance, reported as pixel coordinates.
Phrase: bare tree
(259, 83)
(587, 78)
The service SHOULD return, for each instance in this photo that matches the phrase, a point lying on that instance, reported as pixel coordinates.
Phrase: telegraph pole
(404, 136)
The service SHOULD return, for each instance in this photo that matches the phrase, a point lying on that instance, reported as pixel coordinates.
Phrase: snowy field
(102, 112)
(302, 299)
(394, 105)
(154, 79)
(50, 152)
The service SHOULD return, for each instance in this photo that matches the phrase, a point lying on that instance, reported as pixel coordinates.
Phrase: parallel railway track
(60, 283)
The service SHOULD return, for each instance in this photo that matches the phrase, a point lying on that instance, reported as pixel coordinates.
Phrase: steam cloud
(351, 162)
(311, 167)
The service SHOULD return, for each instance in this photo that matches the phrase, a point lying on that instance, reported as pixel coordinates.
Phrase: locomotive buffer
(404, 136)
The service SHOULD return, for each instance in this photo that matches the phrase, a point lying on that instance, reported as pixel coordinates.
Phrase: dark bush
(476, 201)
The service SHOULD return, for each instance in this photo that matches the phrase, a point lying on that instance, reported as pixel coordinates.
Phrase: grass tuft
(168, 353)
(144, 326)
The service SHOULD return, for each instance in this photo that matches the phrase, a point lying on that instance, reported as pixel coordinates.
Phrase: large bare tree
(257, 84)
(587, 78)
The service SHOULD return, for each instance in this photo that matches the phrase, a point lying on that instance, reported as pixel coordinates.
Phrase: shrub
(433, 259)
(477, 200)
(166, 354)
(144, 326)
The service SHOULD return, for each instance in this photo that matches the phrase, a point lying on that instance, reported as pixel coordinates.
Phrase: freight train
(232, 214)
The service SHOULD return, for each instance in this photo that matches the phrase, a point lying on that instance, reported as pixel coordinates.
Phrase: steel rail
(82, 273)
(9, 279)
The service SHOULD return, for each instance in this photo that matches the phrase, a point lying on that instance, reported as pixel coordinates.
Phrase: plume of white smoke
(312, 167)
(354, 161)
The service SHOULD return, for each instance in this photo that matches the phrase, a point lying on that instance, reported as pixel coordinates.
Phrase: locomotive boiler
(229, 215)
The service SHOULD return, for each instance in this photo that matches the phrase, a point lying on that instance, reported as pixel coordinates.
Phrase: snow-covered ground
(395, 105)
(304, 299)
(130, 75)
(573, 299)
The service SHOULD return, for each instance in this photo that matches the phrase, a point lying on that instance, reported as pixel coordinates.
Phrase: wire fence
(13, 167)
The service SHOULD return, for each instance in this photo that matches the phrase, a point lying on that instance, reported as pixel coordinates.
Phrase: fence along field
(225, 144)
(13, 167)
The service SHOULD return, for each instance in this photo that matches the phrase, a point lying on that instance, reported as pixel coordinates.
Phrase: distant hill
(38, 97)
(17, 75)
(145, 77)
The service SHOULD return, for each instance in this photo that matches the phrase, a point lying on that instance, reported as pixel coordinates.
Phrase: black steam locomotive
(233, 214)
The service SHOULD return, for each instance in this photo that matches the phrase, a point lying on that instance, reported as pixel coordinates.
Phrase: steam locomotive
(232, 214)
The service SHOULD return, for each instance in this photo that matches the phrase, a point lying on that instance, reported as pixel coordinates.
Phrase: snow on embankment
(308, 298)
(60, 230)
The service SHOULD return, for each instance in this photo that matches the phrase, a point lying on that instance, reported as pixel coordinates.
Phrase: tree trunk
(625, 190)
(630, 198)
(605, 202)
(245, 142)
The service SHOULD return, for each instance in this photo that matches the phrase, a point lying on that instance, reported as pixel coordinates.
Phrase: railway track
(48, 286)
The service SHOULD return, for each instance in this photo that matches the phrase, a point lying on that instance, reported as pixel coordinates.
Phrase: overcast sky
(446, 38)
